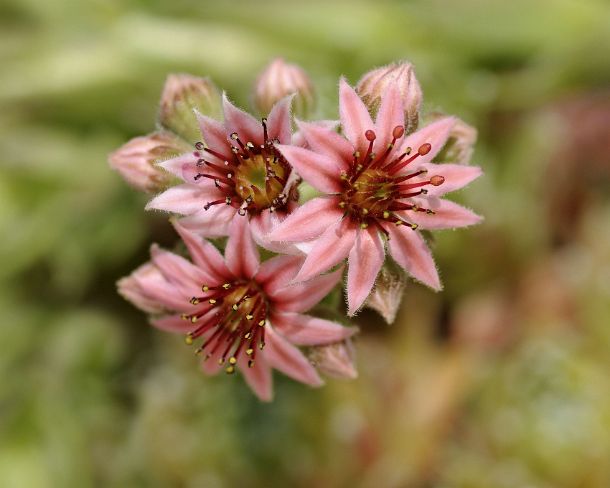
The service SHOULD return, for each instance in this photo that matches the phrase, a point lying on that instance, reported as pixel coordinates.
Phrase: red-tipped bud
(181, 94)
(370, 135)
(280, 79)
(437, 180)
(335, 360)
(424, 149)
(136, 159)
(460, 144)
(398, 131)
(387, 294)
(374, 84)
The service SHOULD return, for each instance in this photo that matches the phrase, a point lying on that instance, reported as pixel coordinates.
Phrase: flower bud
(335, 360)
(136, 159)
(181, 94)
(129, 287)
(279, 79)
(460, 144)
(387, 294)
(374, 84)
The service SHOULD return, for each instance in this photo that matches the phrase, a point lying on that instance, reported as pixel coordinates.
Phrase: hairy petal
(326, 141)
(300, 297)
(241, 253)
(286, 358)
(448, 215)
(183, 274)
(456, 176)
(185, 199)
(204, 254)
(213, 222)
(435, 134)
(279, 120)
(308, 221)
(258, 377)
(329, 249)
(175, 165)
(355, 117)
(214, 135)
(236, 120)
(390, 115)
(365, 260)
(410, 251)
(172, 323)
(305, 330)
(275, 273)
(321, 172)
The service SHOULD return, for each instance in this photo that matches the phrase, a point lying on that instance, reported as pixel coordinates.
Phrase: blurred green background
(502, 380)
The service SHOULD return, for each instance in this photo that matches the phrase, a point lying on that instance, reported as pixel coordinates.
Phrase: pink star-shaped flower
(237, 172)
(244, 314)
(379, 187)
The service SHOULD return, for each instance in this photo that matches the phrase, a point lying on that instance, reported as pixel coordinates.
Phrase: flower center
(373, 189)
(253, 179)
(232, 316)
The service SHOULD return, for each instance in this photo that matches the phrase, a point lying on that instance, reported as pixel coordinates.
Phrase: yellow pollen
(205, 288)
(248, 335)
(212, 301)
(342, 204)
(249, 351)
(250, 363)
(261, 323)
(235, 306)
(386, 214)
(194, 319)
(188, 339)
(232, 360)
(249, 316)
(226, 286)
(230, 370)
(364, 225)
(365, 211)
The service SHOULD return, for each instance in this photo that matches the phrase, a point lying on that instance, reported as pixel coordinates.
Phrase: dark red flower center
(233, 317)
(373, 189)
(253, 179)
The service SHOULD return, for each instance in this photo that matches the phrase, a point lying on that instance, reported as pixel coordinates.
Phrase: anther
(212, 301)
(398, 132)
(232, 360)
(188, 340)
(386, 214)
(226, 286)
(261, 323)
(205, 288)
(195, 301)
(370, 135)
(437, 180)
(199, 145)
(249, 351)
(249, 316)
(230, 370)
(424, 149)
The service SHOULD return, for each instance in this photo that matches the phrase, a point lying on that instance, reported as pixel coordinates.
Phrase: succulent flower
(335, 360)
(378, 186)
(460, 143)
(280, 79)
(239, 173)
(243, 314)
(136, 159)
(373, 85)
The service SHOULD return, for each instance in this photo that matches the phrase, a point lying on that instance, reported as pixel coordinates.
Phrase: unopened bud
(387, 294)
(136, 159)
(131, 289)
(181, 94)
(373, 85)
(460, 144)
(335, 360)
(280, 79)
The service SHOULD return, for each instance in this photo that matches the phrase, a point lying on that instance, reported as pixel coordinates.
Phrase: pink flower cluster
(377, 182)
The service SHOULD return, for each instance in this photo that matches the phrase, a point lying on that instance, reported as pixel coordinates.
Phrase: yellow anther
(250, 363)
(249, 351)
(194, 319)
(399, 222)
(414, 226)
(261, 346)
(365, 211)
(364, 225)
(261, 323)
(220, 361)
(386, 214)
(249, 316)
(205, 288)
(226, 286)
(230, 370)
(342, 204)
(232, 360)
(188, 339)
(248, 335)
(235, 306)
(212, 301)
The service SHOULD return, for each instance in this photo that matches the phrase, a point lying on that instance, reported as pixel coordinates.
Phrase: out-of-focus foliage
(501, 380)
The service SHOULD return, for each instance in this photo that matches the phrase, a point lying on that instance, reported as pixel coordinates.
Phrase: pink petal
(329, 249)
(448, 215)
(308, 221)
(279, 121)
(298, 139)
(391, 114)
(210, 365)
(275, 273)
(304, 330)
(261, 226)
(175, 165)
(173, 323)
(258, 377)
(456, 176)
(284, 357)
(409, 250)
(355, 117)
(300, 297)
(184, 199)
(214, 135)
(213, 222)
(327, 142)
(241, 254)
(148, 290)
(365, 260)
(204, 254)
(246, 126)
(435, 134)
(321, 172)
(184, 275)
